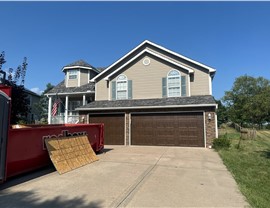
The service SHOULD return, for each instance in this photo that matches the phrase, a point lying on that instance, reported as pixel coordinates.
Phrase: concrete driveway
(132, 177)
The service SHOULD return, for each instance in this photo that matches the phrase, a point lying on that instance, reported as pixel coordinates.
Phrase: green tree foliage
(41, 108)
(248, 101)
(15, 79)
(222, 113)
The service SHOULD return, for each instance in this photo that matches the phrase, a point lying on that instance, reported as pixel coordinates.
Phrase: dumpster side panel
(26, 149)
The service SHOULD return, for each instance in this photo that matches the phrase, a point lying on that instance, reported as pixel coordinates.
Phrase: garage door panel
(185, 129)
(114, 127)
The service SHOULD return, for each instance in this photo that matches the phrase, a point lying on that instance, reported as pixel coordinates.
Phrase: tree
(222, 113)
(16, 79)
(41, 108)
(248, 101)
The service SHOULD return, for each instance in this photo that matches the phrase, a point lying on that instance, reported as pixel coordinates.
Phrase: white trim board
(154, 54)
(79, 67)
(70, 93)
(160, 47)
(147, 107)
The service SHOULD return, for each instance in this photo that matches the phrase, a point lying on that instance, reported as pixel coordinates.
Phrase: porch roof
(62, 89)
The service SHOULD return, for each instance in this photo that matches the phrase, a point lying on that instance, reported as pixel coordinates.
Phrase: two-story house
(154, 96)
(74, 91)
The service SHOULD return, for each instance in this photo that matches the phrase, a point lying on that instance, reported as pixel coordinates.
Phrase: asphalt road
(131, 177)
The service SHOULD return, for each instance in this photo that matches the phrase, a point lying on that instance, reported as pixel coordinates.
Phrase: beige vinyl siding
(200, 85)
(84, 76)
(102, 90)
(71, 82)
(147, 80)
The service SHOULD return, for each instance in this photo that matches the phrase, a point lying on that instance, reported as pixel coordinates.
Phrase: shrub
(222, 143)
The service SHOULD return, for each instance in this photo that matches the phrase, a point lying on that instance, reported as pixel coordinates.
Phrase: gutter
(147, 107)
(70, 93)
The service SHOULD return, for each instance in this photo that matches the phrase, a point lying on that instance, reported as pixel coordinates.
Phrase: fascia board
(183, 57)
(70, 93)
(154, 54)
(147, 107)
(109, 67)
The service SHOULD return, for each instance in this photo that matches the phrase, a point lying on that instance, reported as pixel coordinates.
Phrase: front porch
(65, 108)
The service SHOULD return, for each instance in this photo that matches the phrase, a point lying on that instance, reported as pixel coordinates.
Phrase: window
(121, 87)
(174, 83)
(72, 74)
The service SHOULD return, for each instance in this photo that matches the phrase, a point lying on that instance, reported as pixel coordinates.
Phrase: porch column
(66, 110)
(50, 110)
(83, 102)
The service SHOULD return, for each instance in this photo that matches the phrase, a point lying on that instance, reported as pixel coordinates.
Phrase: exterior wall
(147, 80)
(210, 127)
(71, 82)
(200, 85)
(102, 90)
(32, 115)
(83, 76)
(150, 77)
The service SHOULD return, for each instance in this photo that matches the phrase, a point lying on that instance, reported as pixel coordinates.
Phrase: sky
(232, 37)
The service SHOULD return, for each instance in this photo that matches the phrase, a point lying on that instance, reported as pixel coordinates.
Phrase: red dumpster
(23, 149)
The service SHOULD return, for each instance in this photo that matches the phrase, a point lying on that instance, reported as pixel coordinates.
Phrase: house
(153, 96)
(32, 99)
(74, 91)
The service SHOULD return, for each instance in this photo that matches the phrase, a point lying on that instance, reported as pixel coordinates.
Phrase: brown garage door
(114, 127)
(170, 129)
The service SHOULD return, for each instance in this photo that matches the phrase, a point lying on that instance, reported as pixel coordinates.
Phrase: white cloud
(36, 90)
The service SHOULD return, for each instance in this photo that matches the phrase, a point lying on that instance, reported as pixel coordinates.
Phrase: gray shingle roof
(61, 88)
(101, 69)
(172, 101)
(79, 63)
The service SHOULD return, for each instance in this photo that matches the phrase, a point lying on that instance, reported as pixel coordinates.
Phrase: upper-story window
(73, 74)
(121, 87)
(174, 83)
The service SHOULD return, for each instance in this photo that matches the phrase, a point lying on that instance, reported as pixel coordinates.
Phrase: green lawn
(250, 166)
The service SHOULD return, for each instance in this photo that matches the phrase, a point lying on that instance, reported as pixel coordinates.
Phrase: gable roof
(62, 89)
(171, 102)
(210, 69)
(154, 54)
(79, 64)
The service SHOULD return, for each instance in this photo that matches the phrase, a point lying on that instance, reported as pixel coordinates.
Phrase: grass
(250, 166)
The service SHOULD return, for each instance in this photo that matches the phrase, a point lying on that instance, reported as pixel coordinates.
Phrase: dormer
(78, 73)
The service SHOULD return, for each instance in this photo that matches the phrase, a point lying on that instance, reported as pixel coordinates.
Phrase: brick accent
(127, 123)
(210, 127)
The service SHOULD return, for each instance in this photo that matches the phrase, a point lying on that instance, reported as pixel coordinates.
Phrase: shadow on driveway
(30, 200)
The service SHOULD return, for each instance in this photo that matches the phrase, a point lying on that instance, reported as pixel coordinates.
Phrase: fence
(246, 133)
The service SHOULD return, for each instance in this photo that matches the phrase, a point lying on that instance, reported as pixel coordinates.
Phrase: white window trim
(79, 77)
(180, 94)
(68, 73)
(116, 94)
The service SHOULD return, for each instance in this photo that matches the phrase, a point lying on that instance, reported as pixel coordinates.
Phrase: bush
(222, 143)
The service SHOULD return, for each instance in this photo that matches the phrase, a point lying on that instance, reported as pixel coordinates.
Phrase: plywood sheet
(69, 153)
